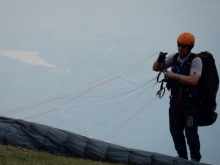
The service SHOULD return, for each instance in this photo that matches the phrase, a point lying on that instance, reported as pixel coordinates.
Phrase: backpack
(207, 88)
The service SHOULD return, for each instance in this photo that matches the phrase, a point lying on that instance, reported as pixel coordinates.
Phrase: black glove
(162, 57)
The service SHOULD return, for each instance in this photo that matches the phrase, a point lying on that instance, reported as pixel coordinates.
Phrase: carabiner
(161, 92)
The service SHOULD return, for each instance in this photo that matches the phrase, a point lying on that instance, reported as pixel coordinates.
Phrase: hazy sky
(51, 48)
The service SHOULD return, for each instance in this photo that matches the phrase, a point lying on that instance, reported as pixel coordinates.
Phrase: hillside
(17, 155)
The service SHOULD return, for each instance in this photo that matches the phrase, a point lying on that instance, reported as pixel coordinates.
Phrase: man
(182, 81)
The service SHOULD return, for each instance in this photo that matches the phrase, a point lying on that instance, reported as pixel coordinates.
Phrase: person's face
(183, 50)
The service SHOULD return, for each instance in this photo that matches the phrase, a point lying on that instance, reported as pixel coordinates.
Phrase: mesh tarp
(43, 138)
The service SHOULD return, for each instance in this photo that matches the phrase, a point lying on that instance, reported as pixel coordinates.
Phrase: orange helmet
(186, 38)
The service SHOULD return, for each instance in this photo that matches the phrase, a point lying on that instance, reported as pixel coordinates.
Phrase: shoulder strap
(175, 58)
(190, 59)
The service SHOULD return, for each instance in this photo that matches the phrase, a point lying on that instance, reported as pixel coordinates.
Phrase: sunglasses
(182, 46)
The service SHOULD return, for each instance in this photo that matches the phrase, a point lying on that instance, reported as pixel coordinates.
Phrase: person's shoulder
(193, 57)
(172, 55)
(169, 60)
(196, 61)
(196, 57)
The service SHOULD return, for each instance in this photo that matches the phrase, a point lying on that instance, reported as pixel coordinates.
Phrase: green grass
(19, 156)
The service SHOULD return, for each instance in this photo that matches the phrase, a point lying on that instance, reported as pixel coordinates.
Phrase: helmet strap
(190, 48)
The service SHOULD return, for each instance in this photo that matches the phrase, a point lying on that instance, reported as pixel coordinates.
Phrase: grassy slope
(18, 156)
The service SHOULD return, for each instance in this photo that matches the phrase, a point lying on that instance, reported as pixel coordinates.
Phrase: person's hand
(169, 74)
(162, 57)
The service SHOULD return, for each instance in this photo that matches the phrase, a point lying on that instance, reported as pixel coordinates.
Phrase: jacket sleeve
(169, 60)
(196, 67)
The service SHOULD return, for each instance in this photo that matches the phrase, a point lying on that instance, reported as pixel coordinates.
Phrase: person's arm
(157, 66)
(191, 80)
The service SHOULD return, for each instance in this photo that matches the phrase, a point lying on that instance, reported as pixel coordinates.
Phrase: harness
(175, 86)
